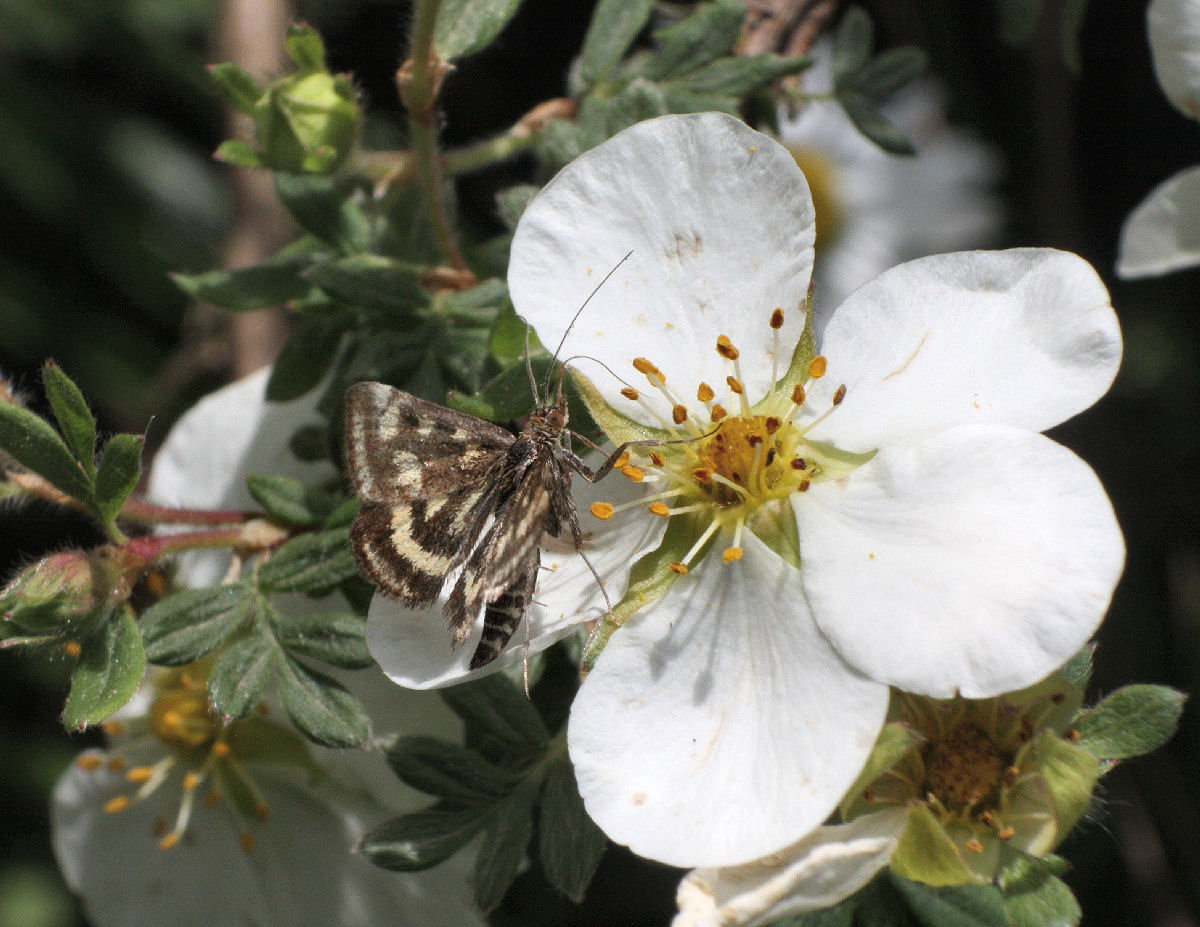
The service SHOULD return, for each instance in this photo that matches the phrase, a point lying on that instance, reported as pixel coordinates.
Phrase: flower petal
(718, 224)
(719, 726)
(1174, 27)
(827, 866)
(1162, 233)
(1025, 337)
(977, 560)
(413, 646)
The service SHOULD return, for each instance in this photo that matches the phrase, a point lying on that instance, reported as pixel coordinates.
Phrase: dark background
(106, 122)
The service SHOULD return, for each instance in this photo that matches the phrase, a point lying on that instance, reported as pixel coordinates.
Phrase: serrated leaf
(32, 442)
(238, 153)
(118, 472)
(309, 563)
(291, 500)
(888, 72)
(502, 850)
(338, 639)
(1132, 721)
(614, 26)
(189, 624)
(570, 844)
(328, 207)
(466, 26)
(74, 418)
(236, 86)
(709, 32)
(869, 122)
(321, 707)
(450, 772)
(110, 667)
(306, 356)
(304, 46)
(736, 77)
(413, 842)
(953, 905)
(1034, 896)
(372, 281)
(274, 281)
(852, 44)
(241, 674)
(500, 722)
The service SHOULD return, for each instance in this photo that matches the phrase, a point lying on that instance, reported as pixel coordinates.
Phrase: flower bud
(307, 122)
(58, 592)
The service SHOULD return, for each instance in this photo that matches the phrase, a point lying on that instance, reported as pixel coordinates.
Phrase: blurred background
(107, 124)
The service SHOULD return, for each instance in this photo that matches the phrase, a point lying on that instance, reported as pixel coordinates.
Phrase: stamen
(735, 385)
(657, 459)
(777, 318)
(630, 393)
(602, 510)
(816, 367)
(679, 414)
(705, 392)
(839, 395)
(652, 373)
(773, 424)
(660, 509)
(731, 554)
(776, 324)
(973, 846)
(726, 349)
(798, 395)
(139, 774)
(89, 762)
(718, 412)
(118, 804)
(635, 474)
(698, 546)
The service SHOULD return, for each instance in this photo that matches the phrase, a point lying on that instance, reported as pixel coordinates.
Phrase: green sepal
(925, 852)
(1078, 670)
(238, 153)
(617, 426)
(304, 46)
(110, 668)
(852, 44)
(291, 500)
(326, 206)
(570, 844)
(274, 281)
(34, 444)
(414, 842)
(868, 120)
(118, 472)
(1132, 721)
(1033, 894)
(706, 34)
(339, 639)
(321, 707)
(309, 352)
(951, 905)
(464, 27)
(74, 418)
(1070, 773)
(451, 773)
(240, 676)
(614, 26)
(502, 850)
(498, 719)
(185, 626)
(737, 76)
(312, 563)
(895, 741)
(236, 87)
(372, 281)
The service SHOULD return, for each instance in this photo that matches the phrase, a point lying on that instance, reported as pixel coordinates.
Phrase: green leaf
(477, 305)
(241, 674)
(304, 46)
(869, 122)
(448, 771)
(238, 153)
(327, 207)
(187, 625)
(306, 357)
(709, 32)
(1132, 721)
(615, 24)
(466, 26)
(413, 842)
(736, 77)
(292, 500)
(570, 844)
(338, 639)
(1033, 895)
(372, 281)
(118, 473)
(271, 283)
(109, 670)
(502, 850)
(74, 418)
(885, 74)
(852, 44)
(236, 86)
(321, 707)
(309, 563)
(511, 203)
(507, 340)
(33, 443)
(1078, 670)
(499, 720)
(953, 905)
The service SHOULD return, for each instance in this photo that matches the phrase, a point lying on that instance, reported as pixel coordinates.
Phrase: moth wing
(401, 447)
(502, 616)
(503, 555)
(406, 548)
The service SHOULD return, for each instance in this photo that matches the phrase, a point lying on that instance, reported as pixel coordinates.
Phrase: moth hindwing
(447, 495)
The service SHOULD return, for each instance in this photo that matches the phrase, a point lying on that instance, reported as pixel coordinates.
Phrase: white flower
(876, 210)
(1162, 233)
(224, 864)
(943, 545)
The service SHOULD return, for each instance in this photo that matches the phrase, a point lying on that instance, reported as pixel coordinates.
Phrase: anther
(1006, 833)
(799, 463)
(221, 749)
(702, 475)
(116, 764)
(634, 473)
(777, 318)
(973, 846)
(602, 510)
(731, 554)
(139, 774)
(660, 509)
(816, 367)
(726, 349)
(772, 424)
(657, 459)
(246, 841)
(112, 728)
(718, 412)
(630, 393)
(115, 805)
(1011, 775)
(798, 395)
(735, 385)
(678, 568)
(72, 648)
(191, 780)
(705, 392)
(679, 414)
(642, 365)
(839, 395)
(88, 762)
(169, 841)
(622, 461)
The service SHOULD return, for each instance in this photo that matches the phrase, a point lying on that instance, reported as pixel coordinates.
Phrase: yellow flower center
(964, 769)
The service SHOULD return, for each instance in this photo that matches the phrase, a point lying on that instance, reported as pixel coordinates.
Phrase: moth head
(555, 416)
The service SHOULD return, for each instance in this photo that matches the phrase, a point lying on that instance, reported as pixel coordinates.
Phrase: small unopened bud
(58, 592)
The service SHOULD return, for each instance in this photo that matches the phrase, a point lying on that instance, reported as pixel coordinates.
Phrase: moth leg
(575, 463)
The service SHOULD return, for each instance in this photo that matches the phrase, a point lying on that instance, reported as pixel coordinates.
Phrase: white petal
(719, 725)
(827, 866)
(977, 560)
(413, 646)
(1163, 233)
(1174, 27)
(1025, 337)
(302, 871)
(720, 224)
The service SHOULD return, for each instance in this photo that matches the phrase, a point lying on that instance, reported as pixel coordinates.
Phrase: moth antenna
(616, 376)
(537, 400)
(579, 311)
